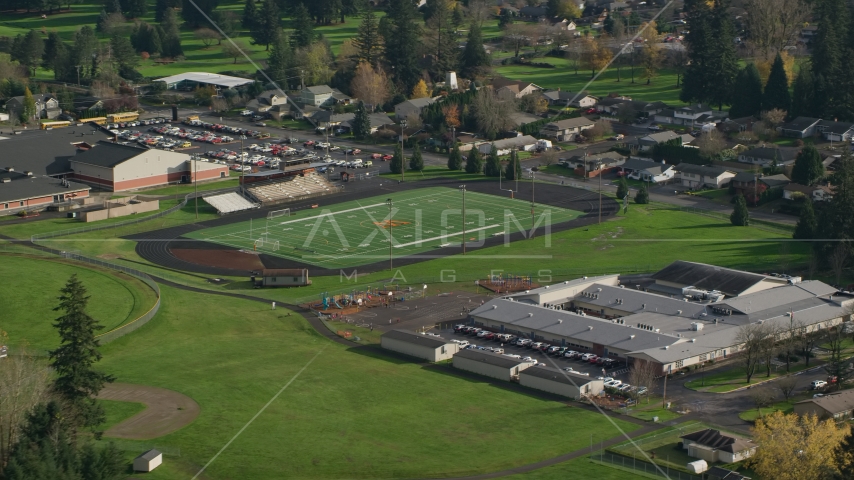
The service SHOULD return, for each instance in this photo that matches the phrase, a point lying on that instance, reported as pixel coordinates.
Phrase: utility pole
(600, 195)
(78, 74)
(664, 395)
(390, 234)
(196, 183)
(532, 204)
(463, 189)
(402, 156)
(755, 189)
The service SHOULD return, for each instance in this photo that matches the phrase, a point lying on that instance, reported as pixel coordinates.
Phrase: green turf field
(32, 287)
(358, 232)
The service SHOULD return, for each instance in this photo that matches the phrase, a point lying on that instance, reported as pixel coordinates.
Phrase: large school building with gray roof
(670, 321)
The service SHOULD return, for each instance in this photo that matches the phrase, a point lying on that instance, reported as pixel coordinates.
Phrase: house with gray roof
(593, 165)
(268, 99)
(647, 142)
(419, 345)
(800, 127)
(838, 406)
(566, 130)
(647, 170)
(703, 176)
(641, 109)
(837, 131)
(713, 446)
(525, 143)
(563, 98)
(694, 114)
(322, 96)
(766, 156)
(412, 107)
(47, 106)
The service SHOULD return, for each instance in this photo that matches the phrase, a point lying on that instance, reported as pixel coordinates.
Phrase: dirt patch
(109, 256)
(165, 412)
(232, 259)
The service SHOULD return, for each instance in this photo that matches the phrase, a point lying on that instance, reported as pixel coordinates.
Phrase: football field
(358, 232)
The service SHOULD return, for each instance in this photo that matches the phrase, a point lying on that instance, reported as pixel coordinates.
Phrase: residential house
(701, 176)
(691, 115)
(534, 12)
(323, 96)
(522, 118)
(647, 170)
(808, 33)
(752, 184)
(837, 405)
(649, 141)
(412, 107)
(561, 98)
(303, 112)
(264, 102)
(47, 106)
(524, 143)
(817, 193)
(766, 156)
(713, 446)
(377, 120)
(837, 131)
(737, 125)
(88, 107)
(590, 166)
(563, 24)
(800, 127)
(516, 88)
(643, 110)
(566, 130)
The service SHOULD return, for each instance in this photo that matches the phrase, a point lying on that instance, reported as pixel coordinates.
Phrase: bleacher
(229, 203)
(283, 190)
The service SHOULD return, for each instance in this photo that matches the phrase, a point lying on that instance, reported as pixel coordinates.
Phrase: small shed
(148, 461)
(282, 277)
(489, 364)
(419, 345)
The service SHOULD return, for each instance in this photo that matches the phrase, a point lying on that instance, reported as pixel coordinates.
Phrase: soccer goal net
(279, 213)
(267, 244)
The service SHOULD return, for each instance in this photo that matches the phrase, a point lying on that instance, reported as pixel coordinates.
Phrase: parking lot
(618, 370)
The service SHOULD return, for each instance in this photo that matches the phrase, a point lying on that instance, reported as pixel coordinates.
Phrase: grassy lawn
(752, 414)
(350, 413)
(721, 194)
(645, 411)
(581, 468)
(663, 88)
(182, 189)
(730, 379)
(29, 300)
(434, 172)
(117, 411)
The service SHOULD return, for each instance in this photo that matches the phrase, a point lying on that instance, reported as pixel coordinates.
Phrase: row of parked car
(154, 141)
(219, 128)
(136, 123)
(546, 348)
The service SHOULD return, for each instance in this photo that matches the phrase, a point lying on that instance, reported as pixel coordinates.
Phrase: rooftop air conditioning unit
(631, 337)
(590, 327)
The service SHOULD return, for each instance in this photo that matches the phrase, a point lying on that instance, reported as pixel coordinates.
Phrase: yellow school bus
(47, 125)
(95, 120)
(122, 117)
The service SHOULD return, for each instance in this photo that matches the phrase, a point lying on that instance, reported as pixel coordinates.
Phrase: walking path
(165, 411)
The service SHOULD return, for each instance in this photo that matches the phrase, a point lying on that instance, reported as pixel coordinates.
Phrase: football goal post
(279, 213)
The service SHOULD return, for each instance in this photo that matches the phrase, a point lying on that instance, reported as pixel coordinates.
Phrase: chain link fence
(628, 463)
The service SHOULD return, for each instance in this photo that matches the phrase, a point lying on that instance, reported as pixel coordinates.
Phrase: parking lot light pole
(402, 156)
(532, 204)
(463, 189)
(390, 234)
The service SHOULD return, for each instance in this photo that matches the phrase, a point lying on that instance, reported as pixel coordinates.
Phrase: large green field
(351, 413)
(30, 292)
(358, 232)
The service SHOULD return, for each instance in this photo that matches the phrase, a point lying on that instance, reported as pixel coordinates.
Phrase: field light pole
(402, 156)
(463, 189)
(390, 234)
(196, 183)
(532, 204)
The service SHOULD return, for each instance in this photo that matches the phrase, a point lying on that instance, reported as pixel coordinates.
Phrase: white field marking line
(448, 235)
(259, 412)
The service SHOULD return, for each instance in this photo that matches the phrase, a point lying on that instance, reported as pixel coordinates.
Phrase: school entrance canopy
(194, 79)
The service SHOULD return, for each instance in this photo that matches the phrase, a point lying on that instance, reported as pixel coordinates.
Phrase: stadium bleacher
(229, 203)
(291, 188)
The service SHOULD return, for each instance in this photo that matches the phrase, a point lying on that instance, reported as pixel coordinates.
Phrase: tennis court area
(358, 232)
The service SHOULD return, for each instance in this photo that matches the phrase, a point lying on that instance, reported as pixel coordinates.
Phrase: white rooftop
(208, 78)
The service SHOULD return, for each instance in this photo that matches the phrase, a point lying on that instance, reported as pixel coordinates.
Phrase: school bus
(47, 125)
(122, 117)
(95, 120)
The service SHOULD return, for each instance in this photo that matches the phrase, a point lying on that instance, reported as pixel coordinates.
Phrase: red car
(386, 158)
(593, 359)
(308, 143)
(375, 156)
(590, 110)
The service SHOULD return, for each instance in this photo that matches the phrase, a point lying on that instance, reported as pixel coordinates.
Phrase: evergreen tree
(710, 75)
(171, 36)
(474, 58)
(416, 161)
(396, 164)
(112, 6)
(361, 122)
(280, 61)
(123, 52)
(161, 6)
(807, 223)
(77, 382)
(50, 50)
(28, 110)
(136, 8)
(808, 168)
(802, 95)
(303, 34)
(195, 17)
(513, 170)
(250, 15)
(368, 40)
(622, 188)
(836, 220)
(267, 26)
(642, 197)
(740, 216)
(828, 55)
(84, 50)
(63, 68)
(492, 167)
(455, 159)
(506, 18)
(103, 20)
(776, 93)
(28, 49)
(474, 163)
(401, 35)
(747, 96)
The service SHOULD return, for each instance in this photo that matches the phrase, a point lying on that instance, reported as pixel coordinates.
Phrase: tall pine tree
(361, 122)
(280, 61)
(455, 159)
(474, 58)
(303, 33)
(416, 161)
(396, 164)
(808, 167)
(776, 94)
(171, 36)
(803, 91)
(368, 41)
(492, 167)
(474, 162)
(747, 95)
(402, 43)
(740, 217)
(513, 170)
(266, 29)
(250, 15)
(807, 223)
(77, 382)
(710, 75)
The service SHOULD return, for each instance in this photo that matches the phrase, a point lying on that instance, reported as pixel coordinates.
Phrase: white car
(462, 343)
(569, 369)
(605, 379)
(817, 384)
(613, 383)
(529, 360)
(586, 357)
